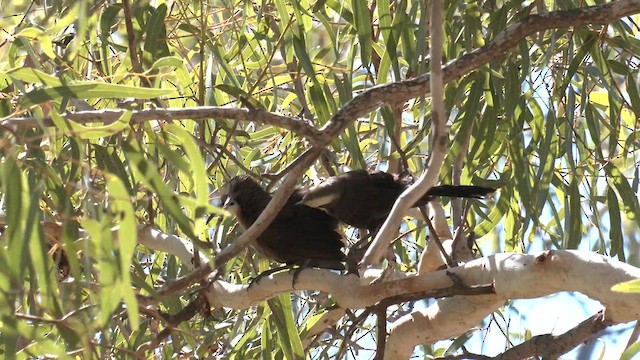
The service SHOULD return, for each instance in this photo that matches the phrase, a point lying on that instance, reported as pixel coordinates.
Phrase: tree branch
(300, 126)
(371, 99)
(552, 346)
(392, 93)
(515, 276)
(387, 232)
(432, 257)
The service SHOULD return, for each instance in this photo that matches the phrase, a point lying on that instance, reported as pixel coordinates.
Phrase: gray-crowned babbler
(364, 200)
(299, 235)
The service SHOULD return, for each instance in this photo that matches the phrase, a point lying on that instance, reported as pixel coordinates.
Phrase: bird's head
(231, 193)
(243, 197)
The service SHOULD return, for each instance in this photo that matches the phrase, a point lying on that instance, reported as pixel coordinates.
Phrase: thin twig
(435, 238)
(381, 326)
(439, 144)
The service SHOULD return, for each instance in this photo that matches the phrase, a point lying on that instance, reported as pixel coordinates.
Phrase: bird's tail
(455, 191)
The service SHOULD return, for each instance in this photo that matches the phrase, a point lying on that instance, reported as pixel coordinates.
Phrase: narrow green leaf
(573, 216)
(299, 44)
(169, 199)
(33, 76)
(155, 45)
(16, 200)
(628, 196)
(266, 340)
(44, 346)
(108, 18)
(362, 25)
(108, 159)
(460, 341)
(632, 91)
(631, 286)
(197, 166)
(350, 141)
(40, 261)
(181, 72)
(576, 62)
(108, 268)
(230, 76)
(615, 225)
(320, 103)
(287, 331)
(548, 151)
(238, 93)
(496, 213)
(90, 90)
(33, 33)
(71, 128)
(593, 119)
(631, 352)
(126, 242)
(242, 339)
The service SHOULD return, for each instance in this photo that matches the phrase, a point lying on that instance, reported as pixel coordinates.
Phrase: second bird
(364, 200)
(299, 235)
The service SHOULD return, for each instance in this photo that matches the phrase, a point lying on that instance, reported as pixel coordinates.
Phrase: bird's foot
(296, 272)
(262, 275)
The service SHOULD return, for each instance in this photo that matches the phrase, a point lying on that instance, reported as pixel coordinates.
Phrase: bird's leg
(296, 272)
(388, 270)
(356, 252)
(256, 280)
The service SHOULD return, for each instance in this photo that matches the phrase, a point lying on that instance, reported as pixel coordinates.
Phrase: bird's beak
(231, 207)
(226, 203)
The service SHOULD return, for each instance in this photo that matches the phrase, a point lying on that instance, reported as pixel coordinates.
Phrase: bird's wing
(367, 199)
(305, 234)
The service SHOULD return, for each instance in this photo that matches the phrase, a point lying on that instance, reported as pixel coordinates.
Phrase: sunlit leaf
(287, 331)
(126, 242)
(89, 90)
(631, 286)
(69, 127)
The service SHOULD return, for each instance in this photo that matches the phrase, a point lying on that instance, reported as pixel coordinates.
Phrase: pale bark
(515, 276)
(432, 258)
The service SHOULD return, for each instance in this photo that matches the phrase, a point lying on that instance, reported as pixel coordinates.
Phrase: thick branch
(154, 239)
(376, 96)
(444, 319)
(552, 346)
(515, 276)
(300, 126)
(547, 346)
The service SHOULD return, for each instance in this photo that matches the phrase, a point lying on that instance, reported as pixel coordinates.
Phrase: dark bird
(364, 200)
(299, 235)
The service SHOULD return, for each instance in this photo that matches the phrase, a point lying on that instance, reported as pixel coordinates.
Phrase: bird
(364, 199)
(299, 235)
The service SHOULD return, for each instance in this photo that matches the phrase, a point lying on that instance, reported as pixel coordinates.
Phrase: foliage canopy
(553, 123)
